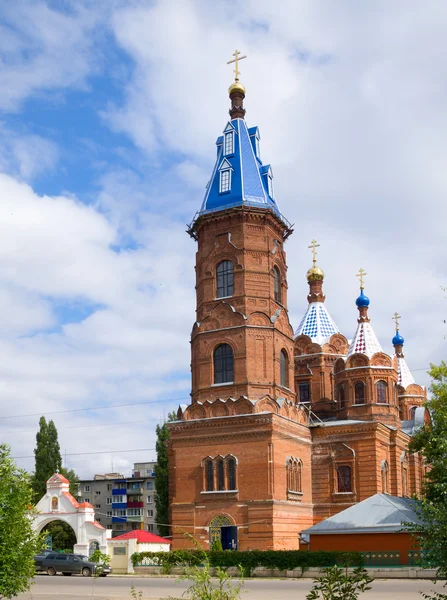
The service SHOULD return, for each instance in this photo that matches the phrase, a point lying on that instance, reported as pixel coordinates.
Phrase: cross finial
(396, 318)
(361, 274)
(313, 246)
(236, 60)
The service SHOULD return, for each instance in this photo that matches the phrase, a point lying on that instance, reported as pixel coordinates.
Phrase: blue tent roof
(239, 178)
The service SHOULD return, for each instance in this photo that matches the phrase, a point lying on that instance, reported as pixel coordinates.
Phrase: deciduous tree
(162, 476)
(19, 543)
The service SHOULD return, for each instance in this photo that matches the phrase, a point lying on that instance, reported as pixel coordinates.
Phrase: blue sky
(108, 116)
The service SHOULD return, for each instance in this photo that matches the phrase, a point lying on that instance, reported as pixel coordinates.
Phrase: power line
(71, 410)
(91, 453)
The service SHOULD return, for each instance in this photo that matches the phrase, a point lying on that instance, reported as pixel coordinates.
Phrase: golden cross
(361, 274)
(396, 318)
(314, 246)
(236, 60)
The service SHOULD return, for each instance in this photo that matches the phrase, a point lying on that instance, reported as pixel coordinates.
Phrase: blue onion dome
(362, 300)
(397, 340)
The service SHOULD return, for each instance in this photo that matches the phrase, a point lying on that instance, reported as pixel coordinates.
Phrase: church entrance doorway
(222, 529)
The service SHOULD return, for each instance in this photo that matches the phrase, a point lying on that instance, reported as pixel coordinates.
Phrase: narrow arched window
(385, 471)
(220, 475)
(359, 393)
(284, 368)
(341, 396)
(412, 412)
(304, 390)
(232, 474)
(344, 479)
(209, 476)
(277, 284)
(381, 392)
(224, 279)
(223, 364)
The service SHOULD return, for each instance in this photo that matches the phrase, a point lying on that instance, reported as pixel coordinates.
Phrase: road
(118, 588)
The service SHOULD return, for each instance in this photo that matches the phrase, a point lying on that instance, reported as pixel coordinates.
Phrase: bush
(284, 560)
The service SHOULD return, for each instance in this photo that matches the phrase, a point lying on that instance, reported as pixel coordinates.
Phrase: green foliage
(431, 441)
(99, 557)
(162, 477)
(63, 536)
(434, 596)
(284, 560)
(212, 584)
(48, 460)
(47, 457)
(339, 584)
(18, 542)
(217, 546)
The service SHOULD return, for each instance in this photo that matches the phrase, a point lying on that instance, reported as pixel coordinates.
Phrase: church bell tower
(242, 340)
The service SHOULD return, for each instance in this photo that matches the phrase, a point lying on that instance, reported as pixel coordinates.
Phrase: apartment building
(123, 503)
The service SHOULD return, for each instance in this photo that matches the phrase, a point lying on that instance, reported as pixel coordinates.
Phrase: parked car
(39, 558)
(67, 564)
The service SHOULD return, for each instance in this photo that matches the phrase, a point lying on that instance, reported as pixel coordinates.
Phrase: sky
(109, 112)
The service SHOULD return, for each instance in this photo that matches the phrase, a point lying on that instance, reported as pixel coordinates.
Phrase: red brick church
(285, 428)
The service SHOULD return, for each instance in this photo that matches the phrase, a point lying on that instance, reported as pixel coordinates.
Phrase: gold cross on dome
(236, 60)
(361, 274)
(396, 318)
(313, 246)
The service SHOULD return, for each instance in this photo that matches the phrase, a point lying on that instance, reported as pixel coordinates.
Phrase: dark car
(40, 557)
(72, 563)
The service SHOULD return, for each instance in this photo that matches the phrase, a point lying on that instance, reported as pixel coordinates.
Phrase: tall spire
(236, 89)
(365, 340)
(317, 322)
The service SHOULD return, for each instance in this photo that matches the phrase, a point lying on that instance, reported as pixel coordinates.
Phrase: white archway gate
(59, 505)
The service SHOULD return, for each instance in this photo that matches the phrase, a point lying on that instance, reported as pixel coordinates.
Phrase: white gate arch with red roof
(59, 505)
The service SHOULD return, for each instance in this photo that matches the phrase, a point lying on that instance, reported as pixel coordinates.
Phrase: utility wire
(99, 452)
(71, 410)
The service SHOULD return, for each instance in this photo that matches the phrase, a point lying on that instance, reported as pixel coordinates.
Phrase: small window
(97, 506)
(223, 364)
(109, 487)
(150, 513)
(344, 480)
(284, 368)
(97, 493)
(385, 483)
(229, 143)
(86, 488)
(277, 284)
(341, 396)
(109, 513)
(359, 393)
(270, 185)
(381, 392)
(224, 279)
(86, 499)
(150, 527)
(225, 181)
(294, 475)
(220, 475)
(149, 500)
(232, 474)
(150, 485)
(109, 500)
(209, 476)
(304, 390)
(119, 550)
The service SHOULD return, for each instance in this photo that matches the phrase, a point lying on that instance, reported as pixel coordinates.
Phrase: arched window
(381, 392)
(220, 475)
(223, 364)
(277, 284)
(359, 393)
(284, 368)
(341, 396)
(294, 475)
(304, 389)
(209, 476)
(224, 279)
(231, 474)
(344, 479)
(54, 503)
(412, 412)
(385, 484)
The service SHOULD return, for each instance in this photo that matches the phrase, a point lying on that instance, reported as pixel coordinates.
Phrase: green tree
(162, 476)
(431, 442)
(62, 535)
(73, 479)
(47, 457)
(18, 542)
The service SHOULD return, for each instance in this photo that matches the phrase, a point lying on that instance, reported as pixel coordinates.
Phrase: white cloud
(26, 155)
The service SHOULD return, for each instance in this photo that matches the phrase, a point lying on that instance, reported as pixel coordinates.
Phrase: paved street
(118, 588)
